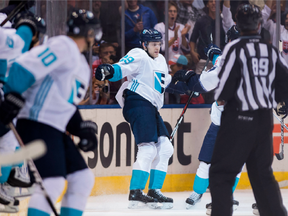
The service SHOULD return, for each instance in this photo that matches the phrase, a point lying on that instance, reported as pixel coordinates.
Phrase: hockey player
(141, 96)
(52, 78)
(208, 81)
(14, 42)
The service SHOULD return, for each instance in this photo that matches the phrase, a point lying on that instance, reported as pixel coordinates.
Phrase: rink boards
(112, 161)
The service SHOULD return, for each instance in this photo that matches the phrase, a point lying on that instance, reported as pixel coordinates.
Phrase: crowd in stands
(191, 28)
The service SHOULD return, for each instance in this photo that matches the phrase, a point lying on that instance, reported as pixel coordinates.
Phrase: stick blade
(32, 150)
(280, 156)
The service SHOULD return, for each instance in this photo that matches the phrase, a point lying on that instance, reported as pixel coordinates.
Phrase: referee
(253, 79)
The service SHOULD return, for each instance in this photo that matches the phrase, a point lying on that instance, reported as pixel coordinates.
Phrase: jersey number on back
(159, 81)
(47, 57)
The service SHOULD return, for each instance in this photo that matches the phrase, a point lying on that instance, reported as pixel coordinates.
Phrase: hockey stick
(285, 126)
(185, 108)
(280, 156)
(34, 170)
(14, 12)
(34, 150)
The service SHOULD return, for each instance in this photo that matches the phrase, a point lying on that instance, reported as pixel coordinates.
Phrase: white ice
(105, 205)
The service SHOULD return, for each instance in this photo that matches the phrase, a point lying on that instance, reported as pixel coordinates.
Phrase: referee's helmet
(248, 17)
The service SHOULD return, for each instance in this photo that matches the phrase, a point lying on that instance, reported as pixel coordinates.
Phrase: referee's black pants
(245, 137)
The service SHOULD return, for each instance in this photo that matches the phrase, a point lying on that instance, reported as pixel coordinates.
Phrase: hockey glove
(282, 110)
(26, 18)
(88, 140)
(182, 75)
(10, 107)
(104, 71)
(212, 50)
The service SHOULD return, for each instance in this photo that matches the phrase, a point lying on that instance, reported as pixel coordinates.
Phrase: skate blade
(255, 212)
(188, 206)
(165, 206)
(9, 209)
(153, 205)
(208, 212)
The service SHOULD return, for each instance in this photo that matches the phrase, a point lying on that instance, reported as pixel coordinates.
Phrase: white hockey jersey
(176, 47)
(146, 76)
(11, 46)
(271, 27)
(51, 77)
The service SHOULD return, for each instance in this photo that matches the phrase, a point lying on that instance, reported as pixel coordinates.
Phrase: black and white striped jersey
(252, 75)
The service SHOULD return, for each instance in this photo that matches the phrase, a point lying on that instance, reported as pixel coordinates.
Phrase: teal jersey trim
(117, 73)
(200, 184)
(70, 212)
(157, 178)
(5, 171)
(26, 34)
(235, 184)
(134, 85)
(40, 97)
(3, 69)
(138, 180)
(19, 79)
(214, 59)
(36, 212)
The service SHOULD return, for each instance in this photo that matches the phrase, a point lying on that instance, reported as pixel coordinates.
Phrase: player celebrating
(141, 97)
(207, 81)
(14, 42)
(53, 78)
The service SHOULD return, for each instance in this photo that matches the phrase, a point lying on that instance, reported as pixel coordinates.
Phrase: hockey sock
(157, 178)
(80, 184)
(201, 180)
(145, 155)
(159, 165)
(139, 179)
(5, 172)
(38, 205)
(236, 181)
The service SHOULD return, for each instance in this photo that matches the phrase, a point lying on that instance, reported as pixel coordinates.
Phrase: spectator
(137, 17)
(204, 31)
(107, 54)
(270, 25)
(177, 33)
(100, 93)
(188, 14)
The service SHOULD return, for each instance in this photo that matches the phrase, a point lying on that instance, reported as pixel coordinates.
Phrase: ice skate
(137, 196)
(167, 203)
(193, 199)
(255, 209)
(209, 207)
(5, 199)
(18, 192)
(12, 207)
(19, 177)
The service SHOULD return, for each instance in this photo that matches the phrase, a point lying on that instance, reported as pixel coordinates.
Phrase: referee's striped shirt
(252, 75)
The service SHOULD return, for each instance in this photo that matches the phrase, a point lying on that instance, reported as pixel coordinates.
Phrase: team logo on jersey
(285, 47)
(159, 81)
(78, 91)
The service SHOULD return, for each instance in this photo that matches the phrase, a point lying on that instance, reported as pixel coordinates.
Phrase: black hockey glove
(104, 71)
(211, 50)
(182, 75)
(87, 135)
(282, 110)
(26, 18)
(10, 107)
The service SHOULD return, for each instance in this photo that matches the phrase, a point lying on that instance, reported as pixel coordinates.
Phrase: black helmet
(81, 21)
(232, 33)
(28, 3)
(148, 35)
(248, 17)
